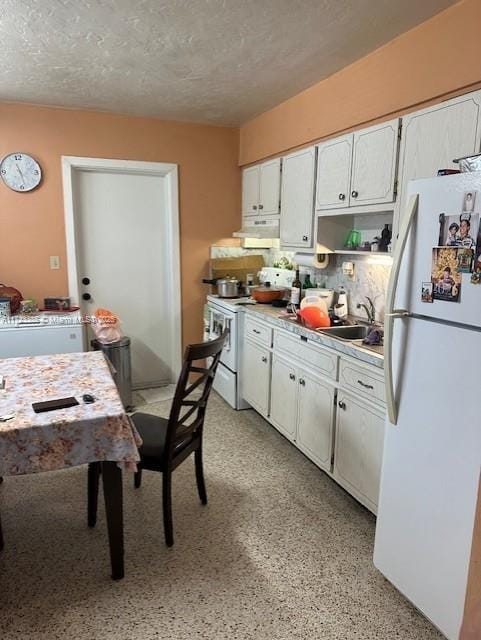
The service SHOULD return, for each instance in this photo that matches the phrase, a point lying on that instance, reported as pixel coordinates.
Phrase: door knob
(85, 280)
(342, 196)
(354, 193)
(86, 296)
(341, 405)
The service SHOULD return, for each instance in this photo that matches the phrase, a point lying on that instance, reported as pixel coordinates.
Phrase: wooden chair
(168, 442)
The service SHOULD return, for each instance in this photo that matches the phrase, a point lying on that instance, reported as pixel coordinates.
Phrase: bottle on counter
(296, 289)
(307, 282)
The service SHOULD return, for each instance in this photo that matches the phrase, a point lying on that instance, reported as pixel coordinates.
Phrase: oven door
(220, 320)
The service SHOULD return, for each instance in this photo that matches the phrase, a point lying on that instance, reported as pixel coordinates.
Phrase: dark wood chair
(168, 442)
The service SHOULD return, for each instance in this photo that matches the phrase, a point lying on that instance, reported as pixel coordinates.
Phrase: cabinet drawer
(365, 382)
(308, 353)
(257, 331)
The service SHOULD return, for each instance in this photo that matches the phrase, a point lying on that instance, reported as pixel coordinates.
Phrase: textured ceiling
(219, 61)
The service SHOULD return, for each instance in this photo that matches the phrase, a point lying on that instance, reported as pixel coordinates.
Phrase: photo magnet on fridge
(469, 198)
(465, 260)
(444, 274)
(427, 292)
(458, 230)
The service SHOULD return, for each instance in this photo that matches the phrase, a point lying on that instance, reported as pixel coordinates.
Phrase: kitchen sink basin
(347, 332)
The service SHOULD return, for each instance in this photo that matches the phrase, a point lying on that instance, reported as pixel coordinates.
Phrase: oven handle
(227, 327)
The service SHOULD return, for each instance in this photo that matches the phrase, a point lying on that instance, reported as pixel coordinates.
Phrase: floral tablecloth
(33, 442)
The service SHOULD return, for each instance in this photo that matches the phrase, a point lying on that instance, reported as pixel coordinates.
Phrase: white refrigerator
(432, 449)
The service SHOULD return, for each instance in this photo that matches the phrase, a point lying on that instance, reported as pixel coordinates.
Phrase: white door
(120, 230)
(433, 137)
(269, 187)
(256, 377)
(334, 173)
(297, 199)
(315, 419)
(284, 385)
(374, 164)
(250, 191)
(359, 448)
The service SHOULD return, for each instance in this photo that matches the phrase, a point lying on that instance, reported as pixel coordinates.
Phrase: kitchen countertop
(370, 355)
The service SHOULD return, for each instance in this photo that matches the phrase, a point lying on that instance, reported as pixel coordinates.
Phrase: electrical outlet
(54, 262)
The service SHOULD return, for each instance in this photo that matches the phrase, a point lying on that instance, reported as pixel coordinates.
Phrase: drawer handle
(292, 376)
(341, 405)
(264, 359)
(366, 386)
(302, 381)
(256, 331)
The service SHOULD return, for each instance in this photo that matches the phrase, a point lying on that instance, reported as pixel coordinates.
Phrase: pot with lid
(226, 287)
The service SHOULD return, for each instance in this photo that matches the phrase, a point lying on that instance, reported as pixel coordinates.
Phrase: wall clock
(20, 172)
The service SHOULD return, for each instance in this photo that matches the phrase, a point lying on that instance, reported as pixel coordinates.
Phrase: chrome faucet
(369, 309)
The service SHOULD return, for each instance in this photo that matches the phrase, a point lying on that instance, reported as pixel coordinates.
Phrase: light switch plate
(54, 262)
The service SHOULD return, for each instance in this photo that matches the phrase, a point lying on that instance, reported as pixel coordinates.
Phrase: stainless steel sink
(347, 332)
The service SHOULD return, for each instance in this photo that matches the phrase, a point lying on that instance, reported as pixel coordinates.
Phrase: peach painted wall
(440, 57)
(32, 225)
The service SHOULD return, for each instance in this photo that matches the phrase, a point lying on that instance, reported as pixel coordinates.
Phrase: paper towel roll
(311, 260)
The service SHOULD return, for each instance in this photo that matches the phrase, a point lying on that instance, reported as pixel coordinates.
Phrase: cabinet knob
(302, 381)
(354, 193)
(86, 296)
(85, 280)
(341, 405)
(292, 376)
(342, 196)
(264, 359)
(254, 206)
(305, 238)
(261, 206)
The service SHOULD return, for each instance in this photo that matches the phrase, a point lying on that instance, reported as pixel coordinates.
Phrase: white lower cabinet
(302, 409)
(359, 448)
(256, 376)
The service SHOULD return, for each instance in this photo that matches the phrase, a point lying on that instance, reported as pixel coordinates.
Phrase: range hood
(258, 229)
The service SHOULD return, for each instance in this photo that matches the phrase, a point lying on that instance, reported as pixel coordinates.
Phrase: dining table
(92, 433)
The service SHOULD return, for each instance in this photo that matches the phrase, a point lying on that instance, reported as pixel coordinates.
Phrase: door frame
(171, 251)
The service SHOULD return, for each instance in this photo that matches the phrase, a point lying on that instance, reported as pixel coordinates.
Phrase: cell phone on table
(52, 405)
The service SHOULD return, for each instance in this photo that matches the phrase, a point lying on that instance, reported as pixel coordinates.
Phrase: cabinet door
(374, 164)
(297, 199)
(250, 191)
(359, 447)
(315, 424)
(334, 173)
(256, 376)
(433, 137)
(283, 414)
(269, 187)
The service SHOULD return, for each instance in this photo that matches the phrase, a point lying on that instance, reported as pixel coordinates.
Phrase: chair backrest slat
(178, 430)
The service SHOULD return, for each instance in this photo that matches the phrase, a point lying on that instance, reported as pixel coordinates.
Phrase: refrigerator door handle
(392, 313)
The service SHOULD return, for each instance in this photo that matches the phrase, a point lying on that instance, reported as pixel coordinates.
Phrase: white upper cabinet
(334, 173)
(261, 189)
(250, 191)
(358, 169)
(374, 164)
(433, 137)
(297, 199)
(269, 187)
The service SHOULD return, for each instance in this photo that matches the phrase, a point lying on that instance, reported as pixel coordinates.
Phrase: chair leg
(93, 493)
(199, 474)
(167, 507)
(138, 478)
(1, 536)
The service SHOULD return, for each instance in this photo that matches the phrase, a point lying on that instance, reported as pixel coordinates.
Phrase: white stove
(224, 314)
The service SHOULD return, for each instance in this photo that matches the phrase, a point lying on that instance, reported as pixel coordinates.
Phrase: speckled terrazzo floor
(281, 553)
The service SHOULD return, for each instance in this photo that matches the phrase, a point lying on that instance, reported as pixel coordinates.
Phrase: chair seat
(153, 431)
